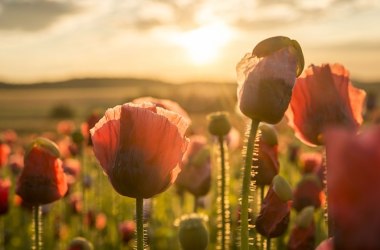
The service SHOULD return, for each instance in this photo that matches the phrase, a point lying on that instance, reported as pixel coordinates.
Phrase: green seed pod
(282, 188)
(80, 243)
(219, 124)
(268, 134)
(192, 232)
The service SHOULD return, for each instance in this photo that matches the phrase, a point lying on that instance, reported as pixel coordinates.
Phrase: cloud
(33, 15)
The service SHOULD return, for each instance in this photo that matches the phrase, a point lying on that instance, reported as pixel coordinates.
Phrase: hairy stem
(140, 223)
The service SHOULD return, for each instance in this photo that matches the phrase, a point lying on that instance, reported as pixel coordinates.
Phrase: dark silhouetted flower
(195, 176)
(42, 180)
(308, 192)
(273, 219)
(4, 195)
(324, 96)
(140, 147)
(266, 78)
(353, 164)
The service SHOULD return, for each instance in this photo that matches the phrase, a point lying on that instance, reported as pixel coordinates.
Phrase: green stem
(140, 223)
(36, 221)
(244, 231)
(268, 243)
(195, 207)
(222, 191)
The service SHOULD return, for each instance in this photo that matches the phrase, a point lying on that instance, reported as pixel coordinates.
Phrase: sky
(178, 40)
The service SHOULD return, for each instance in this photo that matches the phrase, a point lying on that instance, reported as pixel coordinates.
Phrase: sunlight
(204, 44)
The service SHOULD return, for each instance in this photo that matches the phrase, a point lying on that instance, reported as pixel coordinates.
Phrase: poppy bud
(42, 180)
(308, 192)
(219, 125)
(266, 78)
(193, 233)
(80, 243)
(302, 236)
(282, 188)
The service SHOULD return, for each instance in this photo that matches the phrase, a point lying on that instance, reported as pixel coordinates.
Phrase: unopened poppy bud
(219, 125)
(193, 233)
(80, 243)
(305, 217)
(268, 134)
(282, 188)
(44, 144)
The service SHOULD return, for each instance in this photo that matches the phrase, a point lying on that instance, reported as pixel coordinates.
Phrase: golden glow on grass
(205, 43)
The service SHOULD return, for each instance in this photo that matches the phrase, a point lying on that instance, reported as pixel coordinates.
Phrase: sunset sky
(178, 40)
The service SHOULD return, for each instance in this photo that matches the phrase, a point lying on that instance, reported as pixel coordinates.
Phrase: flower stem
(268, 243)
(195, 205)
(37, 244)
(222, 191)
(244, 231)
(140, 223)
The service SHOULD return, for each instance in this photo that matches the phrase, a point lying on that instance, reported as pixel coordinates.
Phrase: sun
(205, 43)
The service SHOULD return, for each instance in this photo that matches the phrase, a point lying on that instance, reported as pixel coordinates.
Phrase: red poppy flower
(195, 176)
(42, 180)
(327, 244)
(273, 219)
(266, 78)
(140, 147)
(311, 162)
(324, 96)
(353, 164)
(5, 150)
(307, 192)
(267, 162)
(4, 193)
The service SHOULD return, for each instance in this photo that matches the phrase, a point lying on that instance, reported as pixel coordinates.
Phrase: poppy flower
(273, 219)
(165, 104)
(4, 193)
(308, 192)
(127, 231)
(5, 150)
(302, 236)
(42, 180)
(267, 162)
(65, 127)
(311, 162)
(266, 78)
(327, 244)
(9, 136)
(195, 176)
(324, 96)
(353, 183)
(140, 147)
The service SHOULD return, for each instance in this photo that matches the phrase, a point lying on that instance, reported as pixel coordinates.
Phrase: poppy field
(286, 158)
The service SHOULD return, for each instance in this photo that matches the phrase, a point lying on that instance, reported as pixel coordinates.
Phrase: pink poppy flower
(4, 193)
(195, 176)
(353, 163)
(324, 96)
(140, 147)
(42, 180)
(266, 78)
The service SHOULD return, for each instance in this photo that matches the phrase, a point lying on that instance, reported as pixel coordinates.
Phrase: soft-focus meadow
(92, 209)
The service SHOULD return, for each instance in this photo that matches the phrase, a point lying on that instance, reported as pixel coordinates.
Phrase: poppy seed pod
(219, 125)
(80, 243)
(192, 232)
(140, 147)
(266, 78)
(42, 179)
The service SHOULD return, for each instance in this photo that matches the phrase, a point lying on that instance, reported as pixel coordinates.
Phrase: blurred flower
(76, 203)
(5, 185)
(65, 127)
(322, 97)
(42, 180)
(80, 243)
(233, 139)
(140, 147)
(67, 147)
(5, 150)
(127, 230)
(274, 215)
(192, 232)
(89, 124)
(16, 163)
(293, 153)
(353, 163)
(302, 236)
(195, 176)
(308, 192)
(71, 167)
(101, 221)
(267, 162)
(311, 162)
(9, 136)
(165, 104)
(266, 78)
